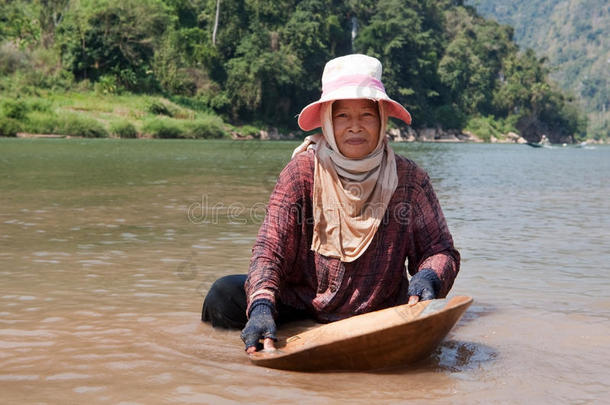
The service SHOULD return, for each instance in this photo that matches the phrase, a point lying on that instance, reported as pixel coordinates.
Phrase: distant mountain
(575, 37)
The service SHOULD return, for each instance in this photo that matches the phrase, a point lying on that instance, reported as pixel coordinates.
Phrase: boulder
(399, 135)
(274, 134)
(426, 135)
(515, 138)
(239, 136)
(411, 135)
(468, 136)
(447, 137)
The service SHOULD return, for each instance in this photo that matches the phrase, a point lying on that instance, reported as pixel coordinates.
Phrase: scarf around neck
(350, 196)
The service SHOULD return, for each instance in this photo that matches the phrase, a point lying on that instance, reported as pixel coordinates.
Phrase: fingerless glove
(260, 324)
(425, 284)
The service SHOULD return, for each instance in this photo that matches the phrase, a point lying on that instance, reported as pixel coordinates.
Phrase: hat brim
(309, 118)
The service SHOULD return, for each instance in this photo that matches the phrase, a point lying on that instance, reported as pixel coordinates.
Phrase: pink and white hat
(351, 77)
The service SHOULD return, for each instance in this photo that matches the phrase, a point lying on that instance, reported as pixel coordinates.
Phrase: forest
(573, 35)
(256, 63)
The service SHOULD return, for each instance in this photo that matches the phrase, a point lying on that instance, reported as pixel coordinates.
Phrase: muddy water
(107, 248)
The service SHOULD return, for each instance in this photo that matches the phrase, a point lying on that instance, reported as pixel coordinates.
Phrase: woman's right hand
(261, 325)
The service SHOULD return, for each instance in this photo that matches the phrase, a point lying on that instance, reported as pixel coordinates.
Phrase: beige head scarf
(350, 196)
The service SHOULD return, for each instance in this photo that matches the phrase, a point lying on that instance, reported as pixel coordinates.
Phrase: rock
(395, 135)
(426, 135)
(398, 135)
(447, 137)
(411, 135)
(470, 137)
(238, 136)
(274, 134)
(514, 138)
(28, 135)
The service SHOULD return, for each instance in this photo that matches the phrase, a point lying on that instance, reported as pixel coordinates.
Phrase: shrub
(164, 128)
(249, 130)
(9, 126)
(75, 125)
(39, 122)
(84, 85)
(192, 103)
(123, 129)
(481, 128)
(107, 84)
(12, 58)
(16, 109)
(182, 113)
(486, 127)
(46, 70)
(37, 104)
(158, 108)
(208, 127)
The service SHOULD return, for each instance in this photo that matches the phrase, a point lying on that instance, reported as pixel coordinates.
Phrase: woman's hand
(260, 325)
(424, 286)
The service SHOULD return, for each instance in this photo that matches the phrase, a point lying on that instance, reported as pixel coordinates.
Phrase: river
(107, 248)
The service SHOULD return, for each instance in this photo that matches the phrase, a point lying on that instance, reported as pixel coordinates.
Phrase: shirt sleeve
(278, 238)
(433, 242)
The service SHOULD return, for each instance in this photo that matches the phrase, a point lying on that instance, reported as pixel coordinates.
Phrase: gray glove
(425, 284)
(260, 325)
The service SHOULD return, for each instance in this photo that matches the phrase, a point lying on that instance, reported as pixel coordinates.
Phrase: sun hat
(351, 77)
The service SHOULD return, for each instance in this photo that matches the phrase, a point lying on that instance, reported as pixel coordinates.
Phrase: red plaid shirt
(283, 266)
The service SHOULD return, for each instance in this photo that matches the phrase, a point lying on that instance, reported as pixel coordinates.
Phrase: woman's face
(356, 125)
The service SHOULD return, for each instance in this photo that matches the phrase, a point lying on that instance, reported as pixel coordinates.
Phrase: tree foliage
(573, 35)
(114, 37)
(442, 60)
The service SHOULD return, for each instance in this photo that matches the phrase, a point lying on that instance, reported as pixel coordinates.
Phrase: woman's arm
(433, 243)
(276, 246)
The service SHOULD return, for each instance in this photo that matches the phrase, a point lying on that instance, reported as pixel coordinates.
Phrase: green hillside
(575, 36)
(256, 63)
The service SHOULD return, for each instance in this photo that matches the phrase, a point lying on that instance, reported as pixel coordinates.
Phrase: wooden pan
(390, 337)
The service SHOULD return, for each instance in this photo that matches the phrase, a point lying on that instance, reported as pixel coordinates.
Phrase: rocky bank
(398, 135)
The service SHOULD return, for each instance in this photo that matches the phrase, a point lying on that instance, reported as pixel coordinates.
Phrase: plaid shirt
(283, 266)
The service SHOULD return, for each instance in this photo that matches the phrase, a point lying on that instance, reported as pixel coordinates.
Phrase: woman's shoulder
(408, 169)
(299, 171)
(302, 163)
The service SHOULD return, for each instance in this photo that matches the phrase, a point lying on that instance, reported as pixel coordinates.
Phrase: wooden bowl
(389, 337)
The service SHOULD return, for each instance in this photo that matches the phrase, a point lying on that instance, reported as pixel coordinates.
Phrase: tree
(216, 22)
(472, 62)
(18, 23)
(114, 37)
(51, 14)
(407, 36)
(539, 107)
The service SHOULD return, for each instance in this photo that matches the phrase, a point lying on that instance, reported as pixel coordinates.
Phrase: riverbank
(433, 135)
(425, 135)
(401, 135)
(93, 115)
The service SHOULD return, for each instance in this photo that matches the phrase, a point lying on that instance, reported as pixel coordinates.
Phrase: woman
(345, 215)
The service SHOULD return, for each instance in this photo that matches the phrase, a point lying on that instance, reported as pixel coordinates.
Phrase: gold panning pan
(389, 337)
